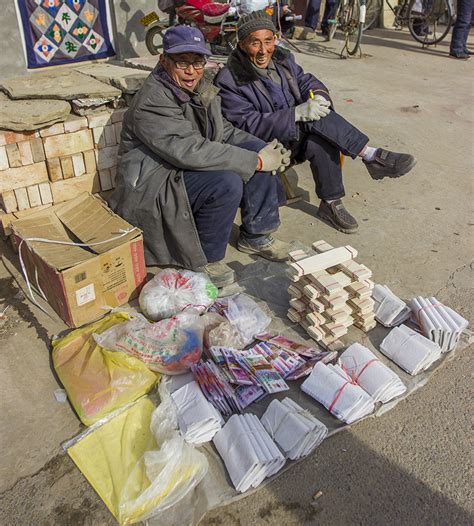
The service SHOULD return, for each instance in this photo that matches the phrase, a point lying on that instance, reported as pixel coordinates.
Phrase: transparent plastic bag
(169, 346)
(172, 291)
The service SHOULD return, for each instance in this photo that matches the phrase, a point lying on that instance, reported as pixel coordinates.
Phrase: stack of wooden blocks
(330, 293)
(54, 164)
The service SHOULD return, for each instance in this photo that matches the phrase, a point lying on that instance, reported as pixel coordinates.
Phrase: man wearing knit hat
(184, 170)
(265, 92)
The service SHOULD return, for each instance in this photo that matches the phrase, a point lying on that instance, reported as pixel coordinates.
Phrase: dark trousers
(462, 26)
(312, 13)
(215, 197)
(321, 143)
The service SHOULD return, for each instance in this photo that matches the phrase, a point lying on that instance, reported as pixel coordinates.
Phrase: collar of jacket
(241, 67)
(206, 91)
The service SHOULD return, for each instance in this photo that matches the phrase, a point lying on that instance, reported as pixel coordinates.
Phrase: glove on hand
(312, 109)
(274, 157)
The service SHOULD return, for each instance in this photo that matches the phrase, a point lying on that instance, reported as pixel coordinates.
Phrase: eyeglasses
(182, 64)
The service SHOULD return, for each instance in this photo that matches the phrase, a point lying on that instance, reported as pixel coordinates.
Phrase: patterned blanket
(64, 31)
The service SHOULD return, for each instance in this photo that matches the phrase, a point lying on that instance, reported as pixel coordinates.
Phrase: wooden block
(321, 246)
(107, 157)
(296, 255)
(294, 292)
(6, 221)
(75, 123)
(23, 176)
(343, 279)
(9, 137)
(359, 290)
(22, 198)
(37, 150)
(70, 188)
(366, 327)
(117, 115)
(324, 260)
(78, 164)
(99, 136)
(3, 158)
(55, 171)
(105, 180)
(99, 119)
(293, 315)
(8, 201)
(356, 271)
(113, 175)
(34, 196)
(89, 161)
(298, 304)
(26, 154)
(67, 167)
(118, 131)
(311, 292)
(328, 284)
(315, 319)
(109, 132)
(55, 129)
(68, 144)
(13, 154)
(45, 193)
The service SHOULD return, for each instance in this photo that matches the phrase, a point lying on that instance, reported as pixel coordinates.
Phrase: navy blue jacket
(248, 105)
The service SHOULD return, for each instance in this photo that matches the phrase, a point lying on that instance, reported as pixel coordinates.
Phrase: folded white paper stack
(389, 309)
(335, 390)
(198, 420)
(409, 349)
(248, 452)
(437, 322)
(380, 382)
(296, 431)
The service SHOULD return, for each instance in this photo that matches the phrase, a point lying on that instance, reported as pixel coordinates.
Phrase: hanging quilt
(64, 31)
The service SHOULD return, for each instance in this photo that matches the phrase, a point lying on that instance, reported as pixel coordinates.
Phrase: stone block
(99, 136)
(118, 131)
(3, 158)
(9, 137)
(68, 144)
(99, 119)
(21, 115)
(67, 167)
(34, 196)
(54, 170)
(13, 154)
(23, 176)
(75, 123)
(45, 193)
(8, 201)
(109, 132)
(107, 157)
(78, 165)
(105, 180)
(70, 188)
(117, 115)
(55, 129)
(22, 198)
(26, 154)
(37, 150)
(90, 162)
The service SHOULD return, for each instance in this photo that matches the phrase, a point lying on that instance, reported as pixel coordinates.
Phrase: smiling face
(259, 47)
(189, 77)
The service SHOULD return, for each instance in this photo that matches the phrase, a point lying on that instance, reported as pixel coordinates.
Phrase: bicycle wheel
(353, 25)
(429, 21)
(154, 39)
(372, 13)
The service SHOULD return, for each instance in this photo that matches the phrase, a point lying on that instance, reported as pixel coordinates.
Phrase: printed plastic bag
(172, 291)
(168, 346)
(99, 381)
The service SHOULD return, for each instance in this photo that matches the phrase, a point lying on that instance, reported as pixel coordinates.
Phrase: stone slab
(127, 80)
(20, 115)
(63, 85)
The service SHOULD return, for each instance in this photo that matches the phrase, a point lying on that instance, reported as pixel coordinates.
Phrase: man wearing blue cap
(184, 170)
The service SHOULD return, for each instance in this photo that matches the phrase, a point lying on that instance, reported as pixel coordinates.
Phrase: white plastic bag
(248, 6)
(172, 291)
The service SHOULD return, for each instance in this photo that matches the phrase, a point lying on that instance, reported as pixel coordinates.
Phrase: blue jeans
(215, 196)
(312, 13)
(462, 26)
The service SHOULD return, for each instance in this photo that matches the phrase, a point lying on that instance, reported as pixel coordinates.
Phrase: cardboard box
(79, 281)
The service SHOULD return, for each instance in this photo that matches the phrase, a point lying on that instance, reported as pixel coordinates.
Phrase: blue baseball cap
(184, 39)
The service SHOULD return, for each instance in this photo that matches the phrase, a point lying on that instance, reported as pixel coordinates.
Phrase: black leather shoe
(336, 214)
(460, 55)
(389, 164)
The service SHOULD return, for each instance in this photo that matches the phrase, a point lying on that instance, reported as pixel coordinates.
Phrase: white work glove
(274, 157)
(312, 109)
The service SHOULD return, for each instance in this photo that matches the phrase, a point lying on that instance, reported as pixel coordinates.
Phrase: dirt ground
(411, 466)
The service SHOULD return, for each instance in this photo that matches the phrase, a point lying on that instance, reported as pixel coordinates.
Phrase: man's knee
(231, 186)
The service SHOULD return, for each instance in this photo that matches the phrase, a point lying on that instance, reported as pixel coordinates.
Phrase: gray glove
(274, 157)
(312, 109)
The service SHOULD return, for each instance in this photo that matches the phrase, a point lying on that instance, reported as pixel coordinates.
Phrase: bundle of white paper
(389, 309)
(380, 382)
(198, 420)
(409, 349)
(248, 452)
(296, 431)
(332, 387)
(437, 322)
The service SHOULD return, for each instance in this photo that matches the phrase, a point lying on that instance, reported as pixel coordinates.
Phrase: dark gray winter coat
(165, 131)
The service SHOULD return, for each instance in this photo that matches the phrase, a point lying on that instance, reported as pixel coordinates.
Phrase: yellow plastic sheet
(99, 381)
(108, 457)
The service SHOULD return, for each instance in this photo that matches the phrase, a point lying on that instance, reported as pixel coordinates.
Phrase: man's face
(259, 47)
(186, 69)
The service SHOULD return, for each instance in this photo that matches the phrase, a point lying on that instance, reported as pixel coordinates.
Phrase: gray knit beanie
(254, 22)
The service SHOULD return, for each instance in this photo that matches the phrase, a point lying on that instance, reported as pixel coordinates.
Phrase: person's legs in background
(458, 48)
(328, 15)
(312, 14)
